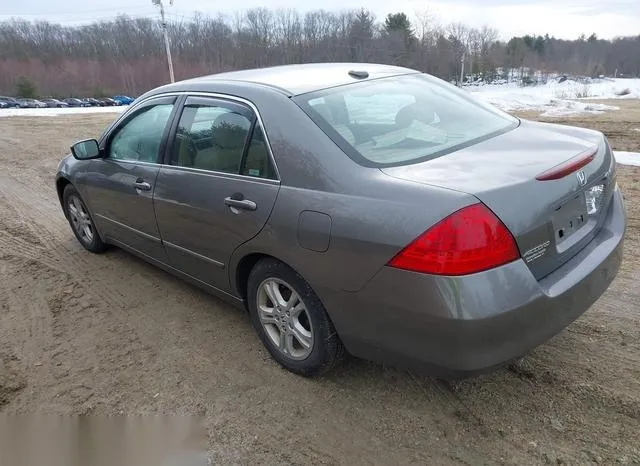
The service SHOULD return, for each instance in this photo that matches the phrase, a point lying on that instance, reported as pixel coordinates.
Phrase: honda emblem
(582, 178)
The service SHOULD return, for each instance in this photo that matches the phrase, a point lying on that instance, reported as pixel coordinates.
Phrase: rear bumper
(458, 325)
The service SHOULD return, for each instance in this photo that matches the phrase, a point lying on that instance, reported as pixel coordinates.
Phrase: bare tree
(127, 54)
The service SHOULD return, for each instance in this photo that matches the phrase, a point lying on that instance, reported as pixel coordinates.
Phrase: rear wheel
(81, 221)
(291, 321)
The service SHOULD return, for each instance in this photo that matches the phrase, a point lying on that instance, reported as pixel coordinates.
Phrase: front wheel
(81, 221)
(291, 320)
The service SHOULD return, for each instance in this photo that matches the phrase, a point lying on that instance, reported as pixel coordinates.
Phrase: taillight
(470, 240)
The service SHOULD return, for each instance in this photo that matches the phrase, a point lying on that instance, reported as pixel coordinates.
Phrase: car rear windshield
(402, 120)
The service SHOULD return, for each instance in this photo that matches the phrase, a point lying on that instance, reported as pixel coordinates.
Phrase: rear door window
(221, 136)
(212, 135)
(257, 161)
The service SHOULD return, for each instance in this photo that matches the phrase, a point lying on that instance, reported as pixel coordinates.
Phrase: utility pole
(160, 5)
(462, 69)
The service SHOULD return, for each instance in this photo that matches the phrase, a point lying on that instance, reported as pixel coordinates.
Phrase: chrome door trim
(133, 230)
(200, 171)
(194, 254)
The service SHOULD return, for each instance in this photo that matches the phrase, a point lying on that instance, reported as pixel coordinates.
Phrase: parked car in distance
(4, 104)
(123, 99)
(367, 208)
(10, 101)
(92, 102)
(31, 103)
(54, 103)
(108, 102)
(74, 102)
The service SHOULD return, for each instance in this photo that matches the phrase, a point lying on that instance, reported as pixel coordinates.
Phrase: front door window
(139, 138)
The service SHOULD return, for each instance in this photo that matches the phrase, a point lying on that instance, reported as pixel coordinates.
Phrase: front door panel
(124, 211)
(119, 187)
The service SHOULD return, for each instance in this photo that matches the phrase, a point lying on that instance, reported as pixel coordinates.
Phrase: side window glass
(257, 163)
(210, 137)
(140, 137)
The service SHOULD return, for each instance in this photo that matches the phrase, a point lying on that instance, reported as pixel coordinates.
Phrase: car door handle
(244, 204)
(142, 185)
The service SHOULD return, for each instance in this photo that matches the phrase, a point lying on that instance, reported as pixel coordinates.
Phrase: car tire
(81, 221)
(282, 330)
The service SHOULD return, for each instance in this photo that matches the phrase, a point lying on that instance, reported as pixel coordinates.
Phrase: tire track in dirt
(17, 237)
(50, 227)
(123, 336)
(58, 234)
(59, 272)
(65, 337)
(11, 381)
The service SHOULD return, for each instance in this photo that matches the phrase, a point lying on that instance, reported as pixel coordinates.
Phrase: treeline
(126, 55)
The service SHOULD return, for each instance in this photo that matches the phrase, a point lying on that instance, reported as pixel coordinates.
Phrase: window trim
(127, 116)
(233, 99)
(247, 144)
(181, 97)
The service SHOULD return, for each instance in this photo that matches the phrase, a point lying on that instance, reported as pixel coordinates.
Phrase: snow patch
(627, 158)
(558, 99)
(52, 112)
(571, 107)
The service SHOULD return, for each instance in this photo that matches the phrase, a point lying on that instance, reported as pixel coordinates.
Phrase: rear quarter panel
(373, 216)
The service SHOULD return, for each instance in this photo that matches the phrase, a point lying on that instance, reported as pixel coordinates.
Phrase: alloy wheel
(80, 219)
(285, 318)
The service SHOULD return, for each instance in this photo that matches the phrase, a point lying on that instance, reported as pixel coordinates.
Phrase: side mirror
(85, 150)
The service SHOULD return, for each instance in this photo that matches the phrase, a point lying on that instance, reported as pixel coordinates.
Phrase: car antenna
(358, 74)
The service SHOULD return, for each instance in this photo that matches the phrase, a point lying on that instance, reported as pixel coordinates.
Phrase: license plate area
(569, 218)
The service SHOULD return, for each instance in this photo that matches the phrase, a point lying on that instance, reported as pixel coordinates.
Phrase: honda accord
(357, 208)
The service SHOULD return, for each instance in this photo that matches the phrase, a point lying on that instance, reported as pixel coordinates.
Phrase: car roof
(301, 79)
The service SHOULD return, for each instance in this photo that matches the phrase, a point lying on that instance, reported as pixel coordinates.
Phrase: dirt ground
(109, 334)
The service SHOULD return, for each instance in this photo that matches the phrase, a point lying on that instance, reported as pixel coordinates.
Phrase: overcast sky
(561, 18)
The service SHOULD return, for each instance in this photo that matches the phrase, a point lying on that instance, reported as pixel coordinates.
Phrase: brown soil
(622, 126)
(109, 334)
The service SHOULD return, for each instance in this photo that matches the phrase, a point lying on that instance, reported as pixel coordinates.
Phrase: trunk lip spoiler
(569, 166)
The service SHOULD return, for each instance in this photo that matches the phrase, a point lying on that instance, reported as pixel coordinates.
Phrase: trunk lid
(550, 220)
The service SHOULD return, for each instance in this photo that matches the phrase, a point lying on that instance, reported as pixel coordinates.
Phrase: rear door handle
(142, 185)
(244, 204)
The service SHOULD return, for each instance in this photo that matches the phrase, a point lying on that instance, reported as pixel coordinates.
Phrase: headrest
(230, 130)
(414, 112)
(407, 114)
